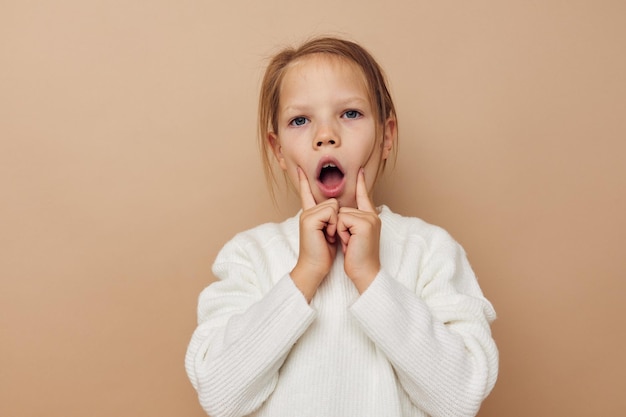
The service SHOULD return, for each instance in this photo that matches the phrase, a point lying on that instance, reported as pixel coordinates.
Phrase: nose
(326, 135)
(324, 141)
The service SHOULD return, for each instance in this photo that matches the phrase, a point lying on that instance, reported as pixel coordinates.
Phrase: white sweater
(417, 342)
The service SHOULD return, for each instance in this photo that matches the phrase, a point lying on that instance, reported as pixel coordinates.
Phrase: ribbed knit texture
(416, 343)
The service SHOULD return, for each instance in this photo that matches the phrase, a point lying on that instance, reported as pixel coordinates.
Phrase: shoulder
(413, 240)
(431, 254)
(261, 239)
(402, 228)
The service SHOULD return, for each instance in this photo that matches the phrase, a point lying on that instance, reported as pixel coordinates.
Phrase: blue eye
(352, 114)
(298, 121)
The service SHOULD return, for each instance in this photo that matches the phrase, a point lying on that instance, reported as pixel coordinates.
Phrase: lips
(330, 177)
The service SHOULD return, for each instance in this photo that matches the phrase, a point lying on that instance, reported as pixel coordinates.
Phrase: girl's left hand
(359, 232)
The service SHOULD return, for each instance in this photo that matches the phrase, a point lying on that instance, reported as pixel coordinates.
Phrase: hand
(359, 232)
(318, 228)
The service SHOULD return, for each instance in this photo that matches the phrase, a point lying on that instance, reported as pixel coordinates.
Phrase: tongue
(331, 178)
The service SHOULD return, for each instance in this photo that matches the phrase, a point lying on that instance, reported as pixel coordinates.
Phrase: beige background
(128, 158)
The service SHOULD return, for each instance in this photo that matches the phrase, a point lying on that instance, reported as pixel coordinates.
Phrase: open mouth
(330, 176)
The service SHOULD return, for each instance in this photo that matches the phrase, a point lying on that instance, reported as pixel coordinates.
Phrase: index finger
(363, 201)
(306, 196)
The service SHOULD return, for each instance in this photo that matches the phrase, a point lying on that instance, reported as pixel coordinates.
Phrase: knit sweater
(417, 342)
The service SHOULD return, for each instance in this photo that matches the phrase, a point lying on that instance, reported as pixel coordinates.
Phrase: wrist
(364, 278)
(306, 280)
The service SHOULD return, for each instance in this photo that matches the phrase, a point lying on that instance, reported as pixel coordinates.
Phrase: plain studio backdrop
(128, 157)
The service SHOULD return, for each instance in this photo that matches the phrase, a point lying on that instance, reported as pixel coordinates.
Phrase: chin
(345, 202)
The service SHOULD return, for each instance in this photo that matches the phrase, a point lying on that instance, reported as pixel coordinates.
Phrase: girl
(345, 309)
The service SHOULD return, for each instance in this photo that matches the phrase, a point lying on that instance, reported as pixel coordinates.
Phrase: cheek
(293, 151)
(374, 156)
(290, 167)
(290, 162)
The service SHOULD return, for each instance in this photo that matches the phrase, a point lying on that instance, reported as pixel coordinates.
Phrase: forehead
(324, 68)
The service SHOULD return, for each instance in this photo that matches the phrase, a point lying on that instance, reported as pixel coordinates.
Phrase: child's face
(327, 127)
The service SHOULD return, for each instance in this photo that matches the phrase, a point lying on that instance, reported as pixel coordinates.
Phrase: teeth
(329, 165)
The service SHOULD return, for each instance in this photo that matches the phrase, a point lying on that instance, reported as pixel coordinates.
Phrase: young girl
(345, 309)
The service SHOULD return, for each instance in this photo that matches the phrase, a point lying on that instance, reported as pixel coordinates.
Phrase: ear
(277, 149)
(390, 135)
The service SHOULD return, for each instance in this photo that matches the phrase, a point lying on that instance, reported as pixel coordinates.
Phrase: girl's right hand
(318, 228)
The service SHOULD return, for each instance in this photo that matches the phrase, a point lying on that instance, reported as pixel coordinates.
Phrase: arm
(246, 330)
(438, 340)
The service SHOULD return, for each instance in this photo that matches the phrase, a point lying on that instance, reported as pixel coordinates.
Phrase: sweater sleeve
(437, 338)
(246, 329)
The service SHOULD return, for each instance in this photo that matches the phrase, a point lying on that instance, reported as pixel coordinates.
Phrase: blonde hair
(270, 88)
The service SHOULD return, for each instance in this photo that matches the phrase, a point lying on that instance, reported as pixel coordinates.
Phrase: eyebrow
(347, 102)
